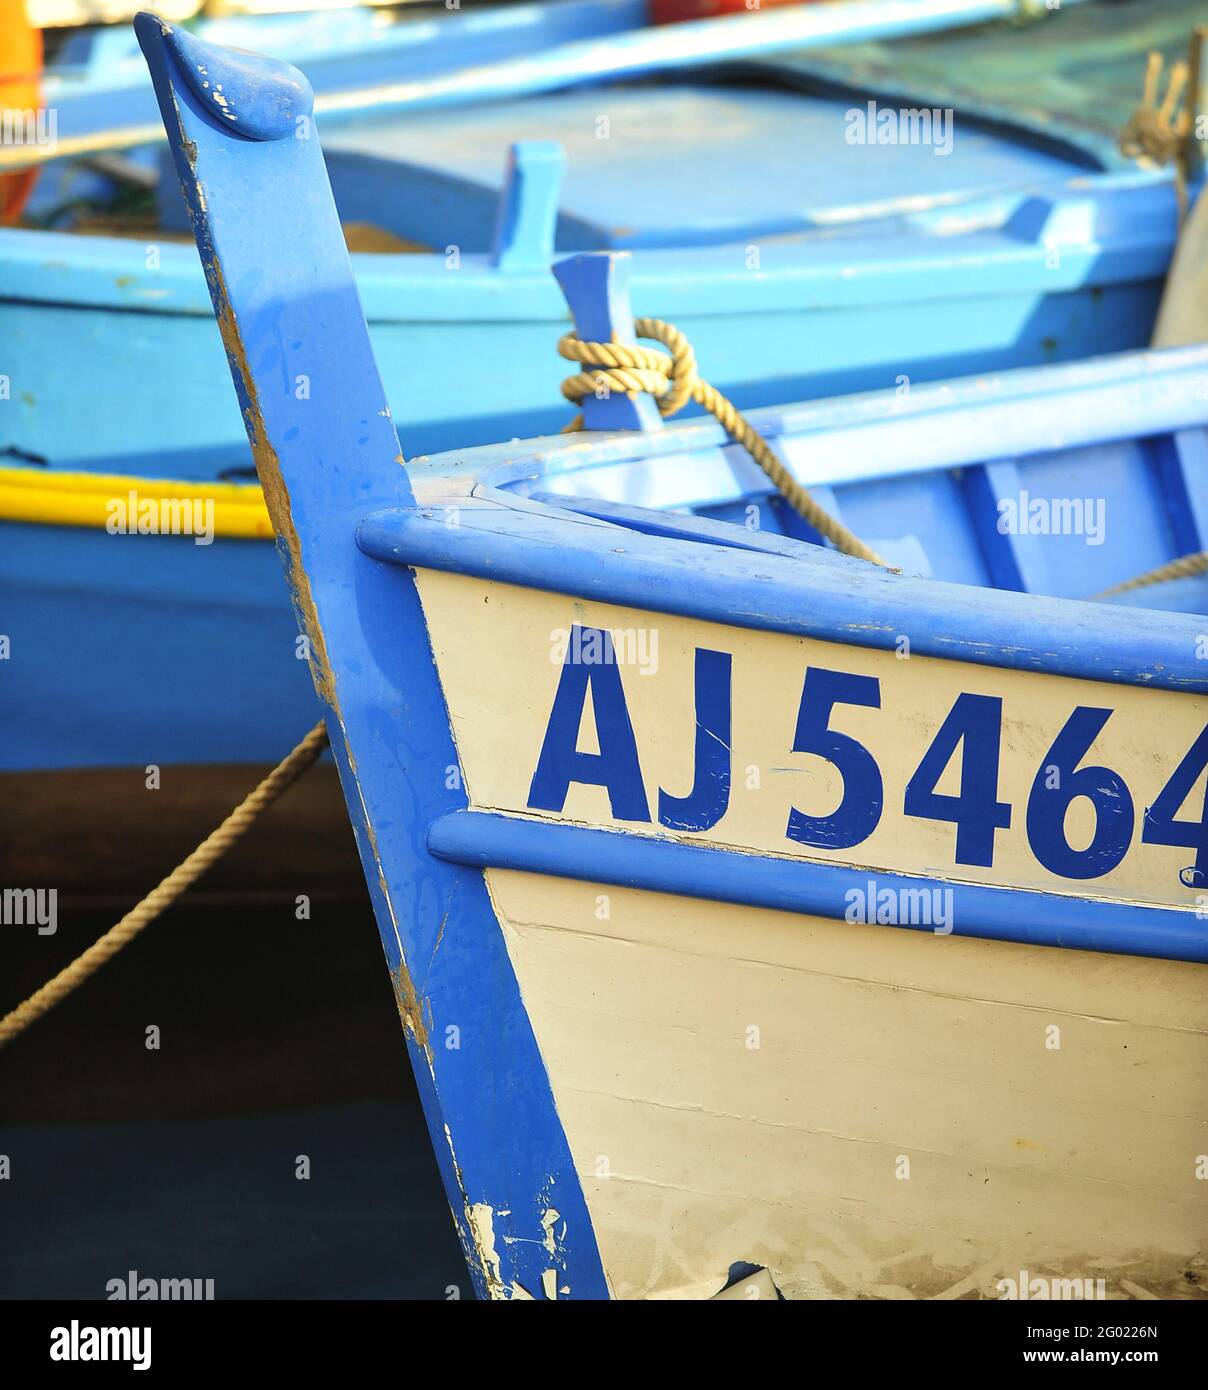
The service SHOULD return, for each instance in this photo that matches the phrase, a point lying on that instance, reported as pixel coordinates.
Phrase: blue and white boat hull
(748, 904)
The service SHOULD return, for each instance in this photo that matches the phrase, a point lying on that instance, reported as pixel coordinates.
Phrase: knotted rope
(1160, 132)
(673, 381)
(213, 847)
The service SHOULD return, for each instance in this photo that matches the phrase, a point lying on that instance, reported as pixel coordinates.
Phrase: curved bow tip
(256, 97)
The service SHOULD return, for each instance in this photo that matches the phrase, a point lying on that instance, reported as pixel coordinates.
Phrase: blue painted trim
(1014, 560)
(487, 840)
(260, 98)
(1181, 458)
(813, 593)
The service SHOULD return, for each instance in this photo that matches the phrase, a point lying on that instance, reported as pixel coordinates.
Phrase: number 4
(975, 720)
(1160, 826)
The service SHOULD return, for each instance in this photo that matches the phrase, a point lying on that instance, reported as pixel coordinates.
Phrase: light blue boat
(800, 264)
(764, 921)
(98, 81)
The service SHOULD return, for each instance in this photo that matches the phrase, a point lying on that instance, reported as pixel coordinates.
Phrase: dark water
(278, 1039)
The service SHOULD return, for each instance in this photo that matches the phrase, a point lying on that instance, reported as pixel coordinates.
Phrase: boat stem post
(596, 286)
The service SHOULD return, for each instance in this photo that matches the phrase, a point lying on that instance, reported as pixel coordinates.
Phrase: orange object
(668, 11)
(20, 93)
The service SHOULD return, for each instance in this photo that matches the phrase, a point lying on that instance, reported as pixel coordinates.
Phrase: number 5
(863, 793)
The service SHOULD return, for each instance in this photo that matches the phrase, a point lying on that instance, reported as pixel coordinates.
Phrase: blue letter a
(615, 766)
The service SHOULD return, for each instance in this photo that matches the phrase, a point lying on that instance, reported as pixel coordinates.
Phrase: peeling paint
(410, 1005)
(482, 1226)
(549, 1219)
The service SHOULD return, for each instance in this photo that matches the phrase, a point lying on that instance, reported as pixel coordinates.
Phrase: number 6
(1104, 789)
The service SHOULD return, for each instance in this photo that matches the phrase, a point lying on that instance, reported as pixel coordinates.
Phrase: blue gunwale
(1126, 223)
(659, 864)
(796, 589)
(947, 424)
(537, 48)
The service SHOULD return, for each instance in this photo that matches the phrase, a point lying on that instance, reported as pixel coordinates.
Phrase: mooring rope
(673, 381)
(1160, 132)
(212, 848)
(1182, 568)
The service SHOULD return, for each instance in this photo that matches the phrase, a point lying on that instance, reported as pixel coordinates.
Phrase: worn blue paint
(528, 206)
(482, 839)
(258, 98)
(279, 273)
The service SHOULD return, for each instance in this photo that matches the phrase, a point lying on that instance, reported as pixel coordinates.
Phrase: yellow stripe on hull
(88, 500)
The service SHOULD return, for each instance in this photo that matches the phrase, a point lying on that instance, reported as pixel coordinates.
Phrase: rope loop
(671, 377)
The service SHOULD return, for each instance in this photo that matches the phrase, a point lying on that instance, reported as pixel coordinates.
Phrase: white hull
(879, 1053)
(867, 1112)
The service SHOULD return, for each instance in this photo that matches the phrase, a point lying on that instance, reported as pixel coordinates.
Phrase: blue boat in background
(98, 81)
(763, 921)
(800, 262)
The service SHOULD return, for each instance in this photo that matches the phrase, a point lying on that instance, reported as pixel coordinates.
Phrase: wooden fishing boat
(876, 265)
(655, 962)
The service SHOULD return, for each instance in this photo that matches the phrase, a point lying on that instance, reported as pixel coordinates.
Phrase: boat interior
(1029, 481)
